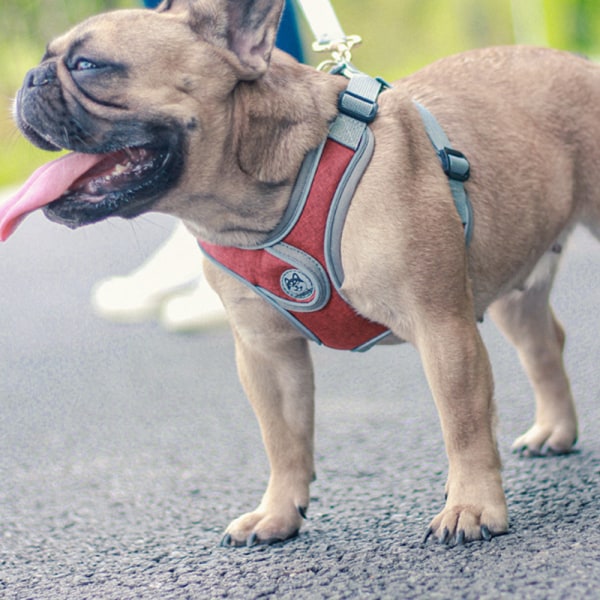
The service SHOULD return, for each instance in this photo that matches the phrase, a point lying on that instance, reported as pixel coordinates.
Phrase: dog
(189, 110)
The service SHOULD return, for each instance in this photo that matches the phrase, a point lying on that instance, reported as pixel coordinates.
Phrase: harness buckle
(454, 163)
(359, 99)
(357, 107)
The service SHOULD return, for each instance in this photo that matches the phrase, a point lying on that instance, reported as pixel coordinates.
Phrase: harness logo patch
(297, 284)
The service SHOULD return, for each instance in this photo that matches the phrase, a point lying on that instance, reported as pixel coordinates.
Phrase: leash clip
(340, 51)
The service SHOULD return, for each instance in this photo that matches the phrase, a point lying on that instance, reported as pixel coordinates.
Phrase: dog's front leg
(459, 374)
(276, 372)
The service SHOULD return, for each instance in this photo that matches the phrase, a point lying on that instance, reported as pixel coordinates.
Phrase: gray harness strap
(358, 107)
(455, 165)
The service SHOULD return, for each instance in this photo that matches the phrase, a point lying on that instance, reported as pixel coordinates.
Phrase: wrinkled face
(144, 101)
(127, 87)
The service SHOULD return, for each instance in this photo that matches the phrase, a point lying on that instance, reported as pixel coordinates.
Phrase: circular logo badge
(297, 284)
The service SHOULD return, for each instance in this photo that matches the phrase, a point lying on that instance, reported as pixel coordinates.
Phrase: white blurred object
(322, 20)
(174, 270)
(199, 308)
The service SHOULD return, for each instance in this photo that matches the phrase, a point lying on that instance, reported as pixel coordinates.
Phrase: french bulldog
(189, 110)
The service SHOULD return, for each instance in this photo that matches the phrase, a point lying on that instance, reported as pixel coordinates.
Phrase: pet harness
(299, 268)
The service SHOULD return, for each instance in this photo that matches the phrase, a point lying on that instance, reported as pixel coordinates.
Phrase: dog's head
(152, 106)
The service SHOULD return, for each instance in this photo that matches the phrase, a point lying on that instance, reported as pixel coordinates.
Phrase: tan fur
(529, 122)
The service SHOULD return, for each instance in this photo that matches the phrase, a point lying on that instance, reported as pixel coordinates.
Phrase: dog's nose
(41, 75)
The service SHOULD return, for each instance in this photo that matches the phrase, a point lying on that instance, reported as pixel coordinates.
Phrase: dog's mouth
(122, 171)
(82, 188)
(124, 181)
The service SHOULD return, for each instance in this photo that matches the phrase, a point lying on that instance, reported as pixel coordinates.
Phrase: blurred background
(399, 37)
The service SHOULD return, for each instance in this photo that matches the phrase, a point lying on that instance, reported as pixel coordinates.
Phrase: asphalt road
(125, 451)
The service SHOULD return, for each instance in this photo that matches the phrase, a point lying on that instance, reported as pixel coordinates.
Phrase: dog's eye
(83, 64)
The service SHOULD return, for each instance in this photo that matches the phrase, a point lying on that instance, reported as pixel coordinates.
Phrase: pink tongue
(46, 184)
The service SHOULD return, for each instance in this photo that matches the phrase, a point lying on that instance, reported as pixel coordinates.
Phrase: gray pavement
(125, 451)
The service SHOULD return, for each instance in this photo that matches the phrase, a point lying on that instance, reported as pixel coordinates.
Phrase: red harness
(299, 270)
(296, 272)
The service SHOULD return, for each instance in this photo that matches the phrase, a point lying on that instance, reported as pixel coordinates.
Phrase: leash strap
(323, 21)
(455, 165)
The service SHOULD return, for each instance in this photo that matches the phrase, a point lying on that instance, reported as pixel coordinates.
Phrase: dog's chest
(299, 270)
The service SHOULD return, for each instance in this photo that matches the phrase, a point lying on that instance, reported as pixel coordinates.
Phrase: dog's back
(528, 119)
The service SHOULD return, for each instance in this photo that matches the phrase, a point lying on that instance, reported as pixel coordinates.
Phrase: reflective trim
(340, 205)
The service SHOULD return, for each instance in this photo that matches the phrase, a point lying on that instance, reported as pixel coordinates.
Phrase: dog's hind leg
(526, 319)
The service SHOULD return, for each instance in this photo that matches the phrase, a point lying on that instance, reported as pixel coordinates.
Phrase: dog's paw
(466, 523)
(260, 527)
(546, 440)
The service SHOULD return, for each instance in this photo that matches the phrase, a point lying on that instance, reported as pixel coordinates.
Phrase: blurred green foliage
(399, 37)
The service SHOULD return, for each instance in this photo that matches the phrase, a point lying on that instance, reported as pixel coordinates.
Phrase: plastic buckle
(455, 164)
(357, 107)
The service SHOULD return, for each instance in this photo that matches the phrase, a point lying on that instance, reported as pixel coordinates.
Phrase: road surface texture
(125, 451)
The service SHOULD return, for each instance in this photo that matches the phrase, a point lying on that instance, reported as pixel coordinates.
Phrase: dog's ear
(252, 27)
(245, 27)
